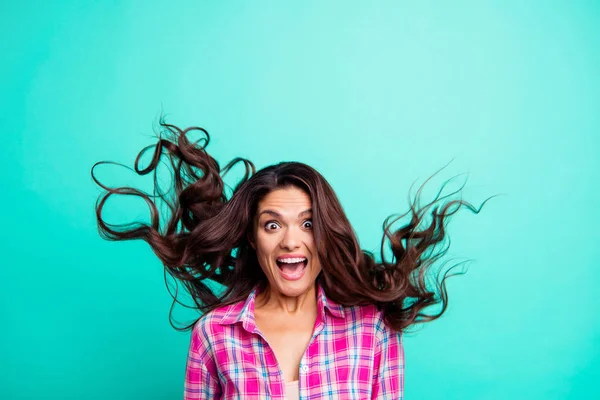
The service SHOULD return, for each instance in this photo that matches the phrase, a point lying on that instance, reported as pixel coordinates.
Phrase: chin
(295, 288)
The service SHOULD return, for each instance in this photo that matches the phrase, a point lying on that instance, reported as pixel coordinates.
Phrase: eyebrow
(277, 215)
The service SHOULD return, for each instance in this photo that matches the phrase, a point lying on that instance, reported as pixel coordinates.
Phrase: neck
(273, 300)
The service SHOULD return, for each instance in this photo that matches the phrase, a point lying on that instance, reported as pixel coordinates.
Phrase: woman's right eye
(270, 225)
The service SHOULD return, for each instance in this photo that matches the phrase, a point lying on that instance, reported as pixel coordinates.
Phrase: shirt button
(305, 368)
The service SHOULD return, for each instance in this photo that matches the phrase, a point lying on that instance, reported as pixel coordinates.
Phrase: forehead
(290, 200)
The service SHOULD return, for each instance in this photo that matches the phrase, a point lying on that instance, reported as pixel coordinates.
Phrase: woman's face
(284, 241)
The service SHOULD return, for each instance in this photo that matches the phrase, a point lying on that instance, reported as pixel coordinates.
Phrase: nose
(290, 240)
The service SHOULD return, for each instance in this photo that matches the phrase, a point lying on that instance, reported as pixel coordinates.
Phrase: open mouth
(294, 265)
(292, 269)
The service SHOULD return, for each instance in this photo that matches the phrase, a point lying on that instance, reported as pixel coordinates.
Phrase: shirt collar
(244, 311)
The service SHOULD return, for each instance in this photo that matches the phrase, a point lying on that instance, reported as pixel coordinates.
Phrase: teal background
(375, 95)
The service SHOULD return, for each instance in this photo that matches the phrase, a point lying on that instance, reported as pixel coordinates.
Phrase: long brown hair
(205, 234)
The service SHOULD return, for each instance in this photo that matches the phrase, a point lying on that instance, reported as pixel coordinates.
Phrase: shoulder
(370, 319)
(364, 314)
(210, 327)
(214, 320)
(360, 320)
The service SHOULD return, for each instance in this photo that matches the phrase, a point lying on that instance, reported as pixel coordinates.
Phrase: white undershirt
(291, 391)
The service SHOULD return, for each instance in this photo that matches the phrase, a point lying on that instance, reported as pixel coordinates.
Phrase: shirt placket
(305, 372)
(273, 369)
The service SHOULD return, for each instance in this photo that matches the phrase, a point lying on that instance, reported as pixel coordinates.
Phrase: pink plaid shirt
(352, 355)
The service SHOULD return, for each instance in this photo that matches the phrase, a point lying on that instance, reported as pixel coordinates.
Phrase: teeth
(291, 260)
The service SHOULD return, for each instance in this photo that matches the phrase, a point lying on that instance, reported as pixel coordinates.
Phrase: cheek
(317, 265)
(264, 247)
(311, 244)
(261, 253)
(263, 260)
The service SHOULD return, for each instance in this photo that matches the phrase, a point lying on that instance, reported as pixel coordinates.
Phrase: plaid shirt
(352, 355)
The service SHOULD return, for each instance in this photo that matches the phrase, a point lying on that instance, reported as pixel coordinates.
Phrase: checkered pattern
(352, 355)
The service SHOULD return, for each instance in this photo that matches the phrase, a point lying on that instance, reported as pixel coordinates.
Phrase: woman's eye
(274, 225)
(271, 225)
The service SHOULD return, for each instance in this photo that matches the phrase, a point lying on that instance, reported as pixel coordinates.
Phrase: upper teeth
(291, 260)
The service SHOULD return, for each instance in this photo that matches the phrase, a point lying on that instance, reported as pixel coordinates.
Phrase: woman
(304, 312)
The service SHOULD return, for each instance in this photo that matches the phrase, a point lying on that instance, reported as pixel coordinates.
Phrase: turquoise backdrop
(376, 95)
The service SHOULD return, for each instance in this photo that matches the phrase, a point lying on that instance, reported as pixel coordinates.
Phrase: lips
(292, 268)
(282, 261)
(287, 256)
(291, 259)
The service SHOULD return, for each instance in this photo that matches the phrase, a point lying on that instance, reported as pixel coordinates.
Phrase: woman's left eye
(309, 222)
